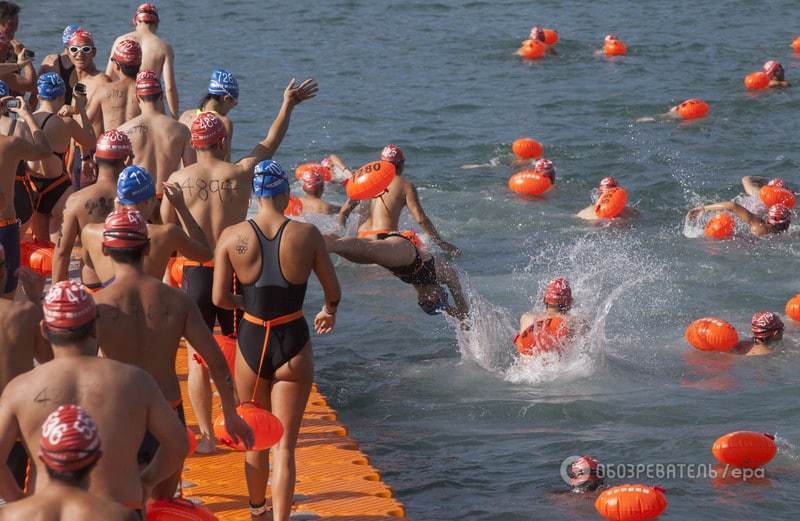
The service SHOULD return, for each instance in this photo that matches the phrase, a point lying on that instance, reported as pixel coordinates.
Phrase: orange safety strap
(368, 233)
(8, 222)
(268, 324)
(188, 262)
(58, 182)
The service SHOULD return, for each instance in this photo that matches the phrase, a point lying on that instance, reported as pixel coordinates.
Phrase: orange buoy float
(720, 227)
(793, 308)
(694, 108)
(796, 45)
(294, 208)
(37, 255)
(772, 195)
(543, 336)
(745, 449)
(756, 81)
(267, 428)
(227, 345)
(529, 182)
(370, 181)
(613, 46)
(177, 509)
(175, 267)
(712, 334)
(302, 168)
(192, 440)
(550, 36)
(631, 503)
(611, 203)
(532, 50)
(527, 148)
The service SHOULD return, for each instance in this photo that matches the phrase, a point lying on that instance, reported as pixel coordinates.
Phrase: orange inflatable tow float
(527, 148)
(532, 50)
(693, 108)
(611, 203)
(370, 181)
(302, 168)
(631, 503)
(771, 195)
(756, 81)
(712, 334)
(613, 46)
(745, 449)
(37, 255)
(793, 308)
(529, 183)
(720, 227)
(796, 45)
(544, 336)
(294, 208)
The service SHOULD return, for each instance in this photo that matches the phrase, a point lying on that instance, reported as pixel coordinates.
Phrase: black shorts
(285, 342)
(198, 282)
(18, 463)
(48, 191)
(9, 238)
(23, 200)
(149, 446)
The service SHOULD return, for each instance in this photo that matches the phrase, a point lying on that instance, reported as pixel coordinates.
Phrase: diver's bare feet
(206, 445)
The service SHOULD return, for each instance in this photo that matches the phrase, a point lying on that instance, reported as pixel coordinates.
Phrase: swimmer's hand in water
(324, 322)
(296, 94)
(238, 430)
(695, 213)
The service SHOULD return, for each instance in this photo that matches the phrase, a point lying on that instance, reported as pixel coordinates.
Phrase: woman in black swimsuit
(272, 258)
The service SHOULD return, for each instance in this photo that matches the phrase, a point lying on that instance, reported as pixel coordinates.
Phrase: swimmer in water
(605, 185)
(584, 476)
(537, 33)
(401, 255)
(70, 448)
(314, 186)
(777, 220)
(753, 184)
(767, 328)
(381, 216)
(557, 304)
(776, 74)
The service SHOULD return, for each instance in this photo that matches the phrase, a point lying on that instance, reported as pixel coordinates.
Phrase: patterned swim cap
(607, 183)
(774, 70)
(558, 293)
(50, 86)
(135, 185)
(270, 179)
(545, 166)
(207, 130)
(114, 145)
(778, 215)
(537, 33)
(766, 325)
(148, 83)
(68, 306)
(69, 439)
(223, 83)
(393, 154)
(128, 52)
(125, 228)
(67, 34)
(146, 13)
(81, 37)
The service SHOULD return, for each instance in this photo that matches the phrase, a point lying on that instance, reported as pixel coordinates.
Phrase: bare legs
(199, 386)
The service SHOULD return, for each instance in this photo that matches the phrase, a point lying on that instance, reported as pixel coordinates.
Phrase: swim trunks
(416, 273)
(149, 446)
(9, 238)
(18, 462)
(198, 282)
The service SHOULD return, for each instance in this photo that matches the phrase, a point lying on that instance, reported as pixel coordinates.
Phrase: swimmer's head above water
(313, 182)
(779, 217)
(545, 166)
(774, 70)
(767, 327)
(583, 474)
(537, 33)
(394, 155)
(558, 295)
(607, 183)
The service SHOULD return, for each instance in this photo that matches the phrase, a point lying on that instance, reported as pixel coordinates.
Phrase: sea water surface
(459, 427)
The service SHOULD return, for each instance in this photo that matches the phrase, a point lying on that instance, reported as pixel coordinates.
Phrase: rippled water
(459, 428)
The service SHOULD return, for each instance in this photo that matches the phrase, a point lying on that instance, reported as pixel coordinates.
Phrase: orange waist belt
(188, 262)
(8, 222)
(268, 324)
(369, 233)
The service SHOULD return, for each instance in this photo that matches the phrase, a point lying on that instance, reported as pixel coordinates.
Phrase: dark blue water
(460, 429)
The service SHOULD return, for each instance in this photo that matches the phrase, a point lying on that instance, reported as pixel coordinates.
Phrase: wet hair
(152, 98)
(132, 255)
(58, 336)
(129, 70)
(8, 10)
(71, 477)
(205, 99)
(113, 163)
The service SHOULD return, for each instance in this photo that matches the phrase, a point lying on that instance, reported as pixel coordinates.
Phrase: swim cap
(50, 86)
(393, 154)
(583, 474)
(124, 228)
(81, 37)
(147, 83)
(326, 162)
(774, 70)
(607, 183)
(545, 166)
(312, 179)
(146, 13)
(4, 89)
(766, 325)
(777, 182)
(128, 52)
(611, 37)
(113, 144)
(778, 214)
(270, 180)
(69, 439)
(68, 32)
(68, 306)
(135, 185)
(207, 130)
(223, 83)
(537, 33)
(558, 293)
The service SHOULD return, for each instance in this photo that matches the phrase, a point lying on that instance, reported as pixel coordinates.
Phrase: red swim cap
(146, 13)
(69, 439)
(147, 83)
(207, 130)
(778, 214)
(545, 166)
(113, 144)
(582, 473)
(393, 154)
(777, 182)
(607, 183)
(81, 37)
(68, 306)
(312, 179)
(537, 33)
(558, 293)
(611, 37)
(128, 52)
(125, 228)
(766, 325)
(326, 162)
(774, 70)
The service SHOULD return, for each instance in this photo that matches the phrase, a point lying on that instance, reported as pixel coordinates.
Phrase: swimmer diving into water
(777, 220)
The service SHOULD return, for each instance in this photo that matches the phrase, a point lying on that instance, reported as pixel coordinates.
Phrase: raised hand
(296, 94)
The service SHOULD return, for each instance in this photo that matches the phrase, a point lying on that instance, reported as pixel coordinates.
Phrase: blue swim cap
(270, 180)
(50, 86)
(135, 185)
(223, 84)
(68, 32)
(4, 89)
